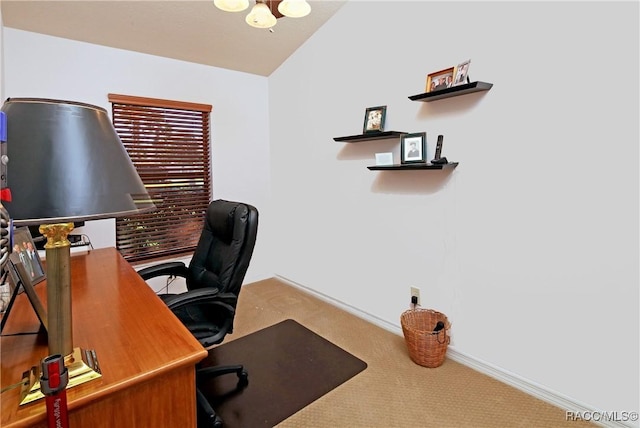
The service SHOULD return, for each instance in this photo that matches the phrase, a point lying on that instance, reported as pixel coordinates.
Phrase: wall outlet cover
(415, 292)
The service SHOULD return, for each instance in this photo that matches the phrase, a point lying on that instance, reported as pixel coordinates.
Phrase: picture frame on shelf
(462, 73)
(374, 118)
(440, 80)
(24, 251)
(413, 148)
(384, 158)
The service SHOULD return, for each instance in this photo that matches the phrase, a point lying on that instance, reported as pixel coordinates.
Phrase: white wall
(530, 246)
(49, 67)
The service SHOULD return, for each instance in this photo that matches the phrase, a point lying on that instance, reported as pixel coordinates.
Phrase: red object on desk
(53, 383)
(5, 194)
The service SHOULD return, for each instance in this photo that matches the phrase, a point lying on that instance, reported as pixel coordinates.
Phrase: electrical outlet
(415, 292)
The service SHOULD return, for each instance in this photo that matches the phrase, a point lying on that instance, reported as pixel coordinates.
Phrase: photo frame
(24, 251)
(462, 73)
(11, 278)
(10, 287)
(374, 119)
(384, 158)
(26, 284)
(7, 289)
(440, 80)
(413, 148)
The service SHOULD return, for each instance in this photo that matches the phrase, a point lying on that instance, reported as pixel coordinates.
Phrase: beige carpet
(393, 391)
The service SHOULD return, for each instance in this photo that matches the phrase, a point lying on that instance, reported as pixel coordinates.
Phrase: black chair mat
(289, 367)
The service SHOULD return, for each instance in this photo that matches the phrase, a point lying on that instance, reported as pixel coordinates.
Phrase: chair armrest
(199, 296)
(164, 269)
(217, 303)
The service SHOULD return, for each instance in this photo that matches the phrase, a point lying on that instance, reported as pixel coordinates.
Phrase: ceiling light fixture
(266, 12)
(231, 5)
(261, 16)
(294, 8)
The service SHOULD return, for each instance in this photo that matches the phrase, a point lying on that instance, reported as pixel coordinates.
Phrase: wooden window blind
(168, 142)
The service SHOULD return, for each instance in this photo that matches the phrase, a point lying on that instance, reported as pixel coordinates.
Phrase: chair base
(207, 417)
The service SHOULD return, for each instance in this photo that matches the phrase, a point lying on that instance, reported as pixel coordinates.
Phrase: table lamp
(63, 163)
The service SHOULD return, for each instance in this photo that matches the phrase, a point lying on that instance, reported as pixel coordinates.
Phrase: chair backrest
(225, 247)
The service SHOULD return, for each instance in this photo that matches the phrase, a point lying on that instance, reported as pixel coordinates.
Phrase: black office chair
(214, 279)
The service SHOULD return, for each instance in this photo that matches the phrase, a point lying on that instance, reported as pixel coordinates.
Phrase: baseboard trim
(532, 388)
(538, 391)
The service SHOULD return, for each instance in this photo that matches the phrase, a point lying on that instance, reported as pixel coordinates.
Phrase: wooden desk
(147, 357)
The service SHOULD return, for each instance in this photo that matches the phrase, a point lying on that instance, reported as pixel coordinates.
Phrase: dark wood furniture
(454, 91)
(382, 135)
(147, 357)
(449, 165)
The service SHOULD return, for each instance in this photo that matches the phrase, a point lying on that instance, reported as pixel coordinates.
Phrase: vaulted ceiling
(194, 31)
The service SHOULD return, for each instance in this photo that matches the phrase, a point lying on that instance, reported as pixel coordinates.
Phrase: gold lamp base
(82, 366)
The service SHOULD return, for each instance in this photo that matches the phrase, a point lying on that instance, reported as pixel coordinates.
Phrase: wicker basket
(426, 347)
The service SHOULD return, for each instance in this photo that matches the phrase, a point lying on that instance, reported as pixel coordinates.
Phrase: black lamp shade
(66, 163)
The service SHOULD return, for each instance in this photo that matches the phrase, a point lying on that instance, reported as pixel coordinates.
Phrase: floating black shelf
(454, 91)
(370, 136)
(449, 165)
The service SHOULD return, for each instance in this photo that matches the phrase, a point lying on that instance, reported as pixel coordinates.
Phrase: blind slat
(168, 142)
(155, 102)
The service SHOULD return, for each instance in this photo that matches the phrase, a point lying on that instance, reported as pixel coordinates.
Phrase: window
(168, 142)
